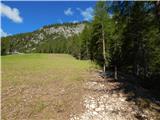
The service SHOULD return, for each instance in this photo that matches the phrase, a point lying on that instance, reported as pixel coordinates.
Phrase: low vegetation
(42, 86)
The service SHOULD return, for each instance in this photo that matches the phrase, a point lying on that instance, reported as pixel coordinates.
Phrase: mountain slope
(41, 40)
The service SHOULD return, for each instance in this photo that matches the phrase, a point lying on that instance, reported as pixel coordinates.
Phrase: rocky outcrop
(66, 31)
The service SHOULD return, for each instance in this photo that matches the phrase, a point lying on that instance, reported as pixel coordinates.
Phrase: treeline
(124, 36)
(65, 24)
(17, 43)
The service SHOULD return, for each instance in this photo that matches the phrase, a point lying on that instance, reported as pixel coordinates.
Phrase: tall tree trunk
(115, 72)
(137, 70)
(104, 49)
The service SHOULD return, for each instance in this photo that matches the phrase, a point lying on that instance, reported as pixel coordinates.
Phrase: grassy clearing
(38, 69)
(42, 86)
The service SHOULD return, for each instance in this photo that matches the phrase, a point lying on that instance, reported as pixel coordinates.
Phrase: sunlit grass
(41, 68)
(40, 86)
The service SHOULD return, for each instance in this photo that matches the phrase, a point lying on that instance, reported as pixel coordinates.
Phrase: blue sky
(20, 17)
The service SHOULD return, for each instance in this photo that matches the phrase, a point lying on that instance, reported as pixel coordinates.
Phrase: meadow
(42, 86)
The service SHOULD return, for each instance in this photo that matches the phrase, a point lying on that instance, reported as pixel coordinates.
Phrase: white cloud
(11, 13)
(87, 13)
(68, 12)
(75, 21)
(2, 33)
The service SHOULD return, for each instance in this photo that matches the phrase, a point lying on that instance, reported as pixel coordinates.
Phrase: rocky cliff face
(66, 31)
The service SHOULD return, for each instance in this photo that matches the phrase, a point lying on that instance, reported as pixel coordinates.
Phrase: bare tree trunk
(104, 49)
(115, 72)
(137, 70)
(104, 67)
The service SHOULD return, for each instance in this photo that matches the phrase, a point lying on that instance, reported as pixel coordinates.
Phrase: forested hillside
(48, 39)
(123, 37)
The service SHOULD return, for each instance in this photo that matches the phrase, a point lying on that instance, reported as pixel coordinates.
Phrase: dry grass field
(42, 86)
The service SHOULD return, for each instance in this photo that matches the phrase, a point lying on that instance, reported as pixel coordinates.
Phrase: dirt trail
(102, 102)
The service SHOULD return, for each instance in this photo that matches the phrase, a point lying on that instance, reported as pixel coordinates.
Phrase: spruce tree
(98, 37)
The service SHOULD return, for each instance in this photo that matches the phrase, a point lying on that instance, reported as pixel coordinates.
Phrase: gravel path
(102, 102)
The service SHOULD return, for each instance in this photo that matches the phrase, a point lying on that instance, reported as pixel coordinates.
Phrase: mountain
(46, 39)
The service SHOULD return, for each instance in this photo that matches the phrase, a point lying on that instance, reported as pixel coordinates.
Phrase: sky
(21, 17)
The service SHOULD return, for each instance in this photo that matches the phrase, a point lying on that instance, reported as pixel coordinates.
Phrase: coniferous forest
(123, 37)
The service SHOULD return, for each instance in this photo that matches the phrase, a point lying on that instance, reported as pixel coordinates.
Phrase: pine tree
(98, 39)
(85, 39)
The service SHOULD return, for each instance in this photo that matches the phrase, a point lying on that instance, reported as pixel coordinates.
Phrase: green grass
(41, 68)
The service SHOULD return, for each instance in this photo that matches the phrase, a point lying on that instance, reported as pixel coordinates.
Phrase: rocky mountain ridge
(67, 31)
